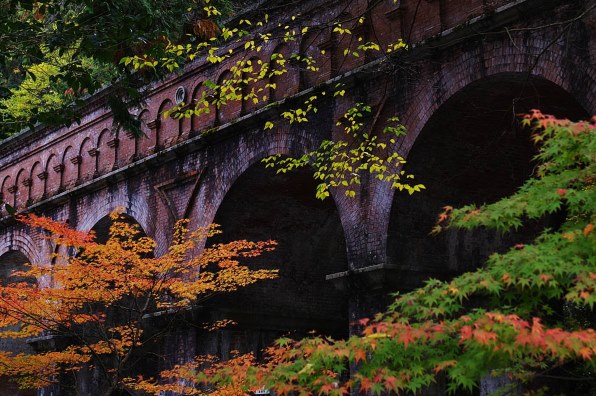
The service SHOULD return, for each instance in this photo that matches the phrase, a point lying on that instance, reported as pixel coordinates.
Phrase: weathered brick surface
(463, 64)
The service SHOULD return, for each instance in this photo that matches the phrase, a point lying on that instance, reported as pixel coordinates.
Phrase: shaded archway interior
(11, 261)
(102, 227)
(472, 150)
(145, 361)
(263, 205)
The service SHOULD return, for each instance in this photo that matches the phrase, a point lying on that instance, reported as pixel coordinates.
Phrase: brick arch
(87, 153)
(20, 240)
(206, 120)
(258, 204)
(106, 151)
(493, 59)
(102, 227)
(258, 88)
(471, 150)
(220, 178)
(231, 109)
(70, 169)
(13, 259)
(168, 128)
(136, 209)
(38, 178)
(22, 193)
(52, 170)
(243, 156)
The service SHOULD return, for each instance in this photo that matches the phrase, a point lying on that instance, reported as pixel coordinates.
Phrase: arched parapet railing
(315, 48)
(386, 23)
(107, 144)
(146, 143)
(229, 97)
(168, 128)
(126, 147)
(22, 184)
(256, 92)
(87, 155)
(208, 114)
(7, 191)
(53, 174)
(288, 83)
(38, 178)
(70, 168)
(345, 45)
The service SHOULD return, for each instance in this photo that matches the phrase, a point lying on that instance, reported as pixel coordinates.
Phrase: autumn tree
(95, 301)
(526, 316)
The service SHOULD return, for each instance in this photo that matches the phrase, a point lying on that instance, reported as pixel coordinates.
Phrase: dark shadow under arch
(263, 205)
(102, 227)
(472, 150)
(11, 261)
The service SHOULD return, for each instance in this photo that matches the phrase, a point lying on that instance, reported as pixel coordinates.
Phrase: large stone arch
(102, 227)
(529, 57)
(13, 259)
(471, 150)
(252, 202)
(19, 239)
(136, 209)
(263, 205)
(241, 154)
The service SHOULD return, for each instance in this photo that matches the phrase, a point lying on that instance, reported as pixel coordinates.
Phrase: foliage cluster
(98, 298)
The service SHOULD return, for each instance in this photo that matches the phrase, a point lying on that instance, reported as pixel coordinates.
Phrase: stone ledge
(373, 277)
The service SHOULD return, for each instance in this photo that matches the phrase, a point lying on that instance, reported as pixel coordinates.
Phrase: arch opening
(262, 205)
(472, 150)
(102, 227)
(143, 361)
(10, 261)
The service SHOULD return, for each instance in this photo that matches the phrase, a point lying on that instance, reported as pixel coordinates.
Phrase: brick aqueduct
(473, 65)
